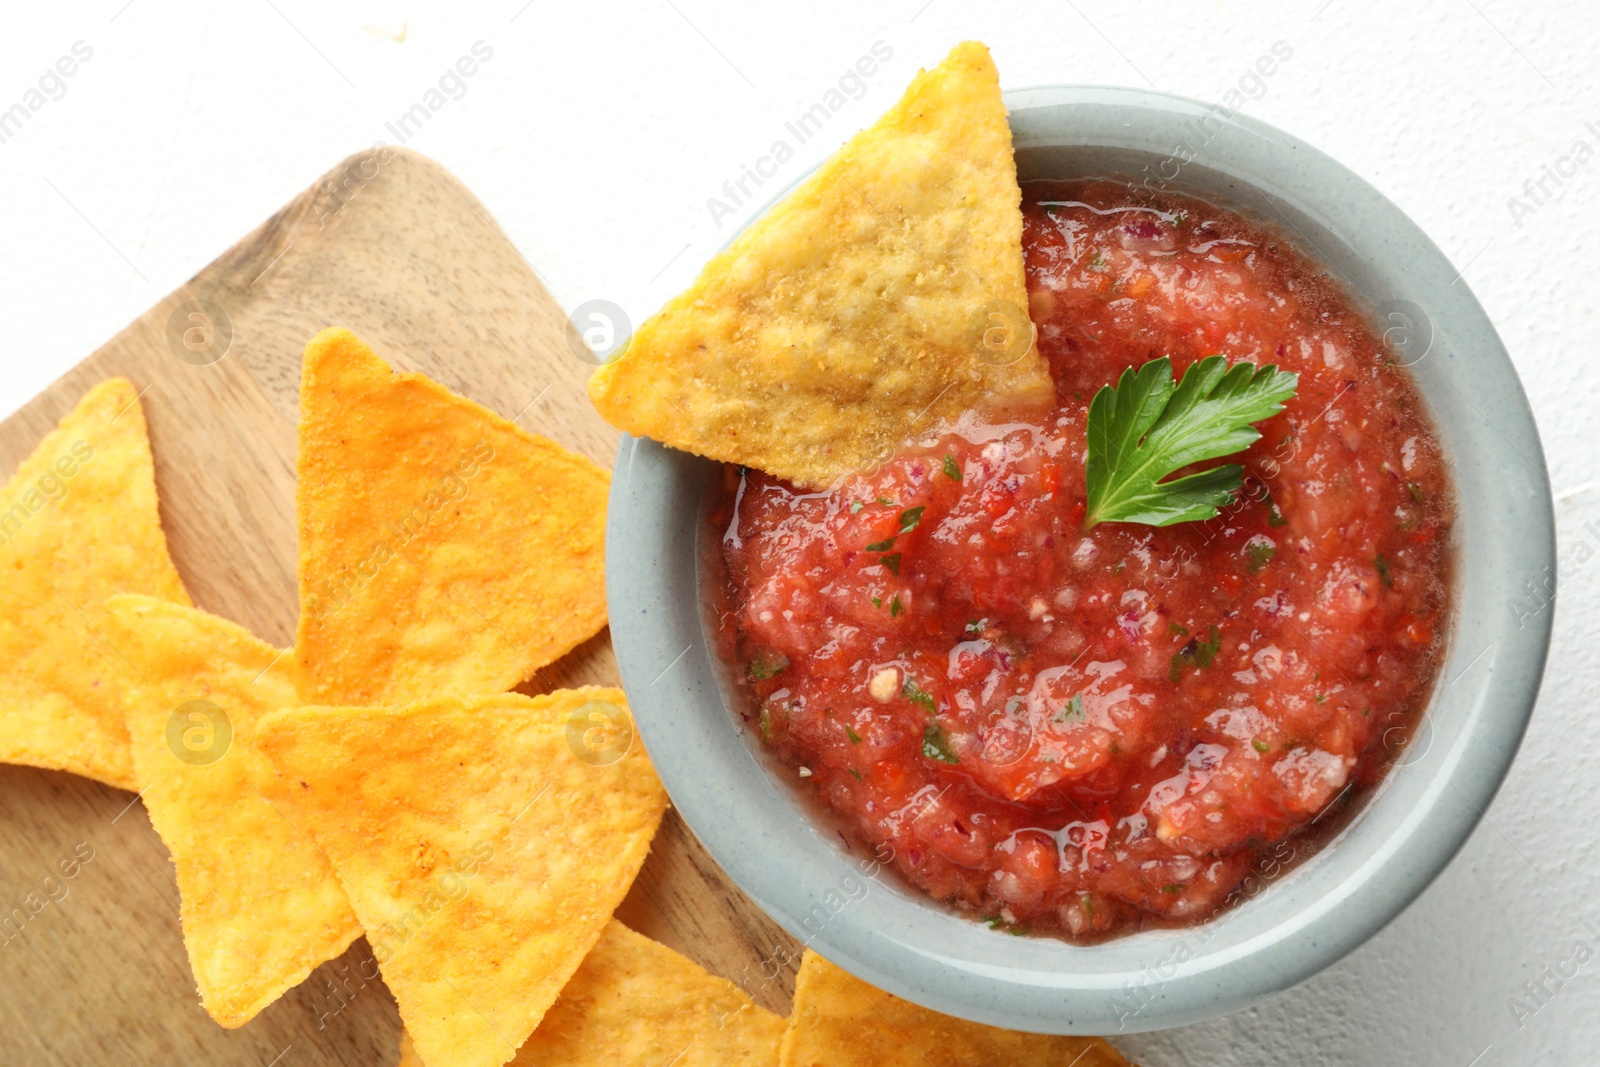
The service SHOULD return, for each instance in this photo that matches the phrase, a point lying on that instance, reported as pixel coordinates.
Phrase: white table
(597, 133)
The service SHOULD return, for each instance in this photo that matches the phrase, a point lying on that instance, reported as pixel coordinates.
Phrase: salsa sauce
(1086, 732)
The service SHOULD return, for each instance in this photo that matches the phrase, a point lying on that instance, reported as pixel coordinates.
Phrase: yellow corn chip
(484, 845)
(637, 1002)
(443, 550)
(78, 522)
(841, 1021)
(883, 297)
(261, 907)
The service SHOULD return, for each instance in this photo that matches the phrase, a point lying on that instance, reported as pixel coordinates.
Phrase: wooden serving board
(390, 245)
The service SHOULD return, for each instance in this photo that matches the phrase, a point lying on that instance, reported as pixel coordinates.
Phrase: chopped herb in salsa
(1197, 653)
(936, 744)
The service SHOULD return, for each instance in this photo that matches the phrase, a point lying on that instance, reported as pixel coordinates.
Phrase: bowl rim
(787, 862)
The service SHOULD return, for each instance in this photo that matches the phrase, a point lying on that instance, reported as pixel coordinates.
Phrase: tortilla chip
(484, 845)
(883, 297)
(443, 550)
(261, 907)
(78, 522)
(841, 1021)
(637, 1002)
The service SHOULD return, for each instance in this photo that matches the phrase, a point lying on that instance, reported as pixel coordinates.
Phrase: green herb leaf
(936, 744)
(855, 774)
(917, 695)
(1197, 653)
(910, 517)
(1258, 554)
(881, 546)
(855, 738)
(895, 607)
(1385, 575)
(885, 501)
(975, 627)
(1072, 710)
(767, 663)
(952, 469)
(1415, 490)
(1173, 888)
(1148, 427)
(891, 562)
(856, 506)
(1261, 746)
(877, 601)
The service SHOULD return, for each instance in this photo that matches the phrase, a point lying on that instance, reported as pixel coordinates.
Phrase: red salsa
(1086, 732)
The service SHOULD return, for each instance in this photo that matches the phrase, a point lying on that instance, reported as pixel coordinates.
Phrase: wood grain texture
(391, 246)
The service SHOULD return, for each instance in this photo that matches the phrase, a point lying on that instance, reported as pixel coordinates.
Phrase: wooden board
(393, 247)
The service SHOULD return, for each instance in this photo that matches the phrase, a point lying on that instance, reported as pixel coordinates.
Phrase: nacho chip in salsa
(883, 297)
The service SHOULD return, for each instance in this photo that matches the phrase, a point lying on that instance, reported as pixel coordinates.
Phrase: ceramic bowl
(774, 845)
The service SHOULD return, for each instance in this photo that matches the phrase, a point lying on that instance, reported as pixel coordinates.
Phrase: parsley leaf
(1071, 711)
(910, 517)
(1196, 653)
(1147, 427)
(767, 663)
(952, 469)
(936, 744)
(917, 695)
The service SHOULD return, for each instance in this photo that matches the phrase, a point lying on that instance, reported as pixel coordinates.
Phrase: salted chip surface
(840, 1021)
(78, 523)
(484, 845)
(635, 1001)
(881, 299)
(260, 904)
(443, 549)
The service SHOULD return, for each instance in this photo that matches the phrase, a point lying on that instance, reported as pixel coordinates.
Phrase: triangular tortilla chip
(484, 845)
(637, 1002)
(883, 297)
(841, 1021)
(261, 906)
(444, 551)
(78, 522)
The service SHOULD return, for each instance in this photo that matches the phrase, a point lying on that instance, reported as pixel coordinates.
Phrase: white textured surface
(596, 133)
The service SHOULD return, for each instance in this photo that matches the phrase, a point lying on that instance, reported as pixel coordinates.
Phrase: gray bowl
(774, 845)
